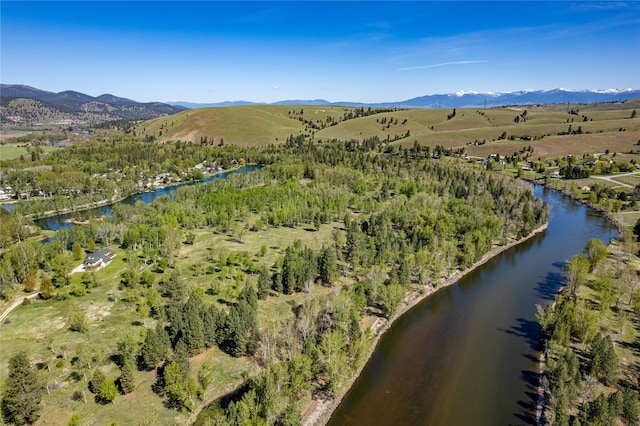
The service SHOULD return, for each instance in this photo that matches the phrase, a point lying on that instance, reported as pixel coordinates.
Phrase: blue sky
(339, 51)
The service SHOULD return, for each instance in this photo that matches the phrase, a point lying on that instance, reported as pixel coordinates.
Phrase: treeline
(582, 376)
(349, 114)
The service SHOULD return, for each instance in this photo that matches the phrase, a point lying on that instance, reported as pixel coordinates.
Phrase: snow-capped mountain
(468, 99)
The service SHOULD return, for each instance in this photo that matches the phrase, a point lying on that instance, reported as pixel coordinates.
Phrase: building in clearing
(98, 258)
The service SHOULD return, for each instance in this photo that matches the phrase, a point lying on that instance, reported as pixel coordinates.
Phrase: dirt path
(612, 179)
(15, 304)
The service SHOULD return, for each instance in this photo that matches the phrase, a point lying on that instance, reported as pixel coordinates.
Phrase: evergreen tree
(630, 407)
(76, 250)
(181, 357)
(96, 381)
(155, 347)
(328, 265)
(127, 377)
(604, 361)
(23, 392)
(192, 325)
(264, 282)
(210, 324)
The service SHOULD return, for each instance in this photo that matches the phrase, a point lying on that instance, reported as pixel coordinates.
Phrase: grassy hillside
(548, 128)
(244, 125)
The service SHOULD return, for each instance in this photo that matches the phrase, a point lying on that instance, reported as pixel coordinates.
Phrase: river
(61, 220)
(467, 355)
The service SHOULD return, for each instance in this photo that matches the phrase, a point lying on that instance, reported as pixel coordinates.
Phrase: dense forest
(399, 222)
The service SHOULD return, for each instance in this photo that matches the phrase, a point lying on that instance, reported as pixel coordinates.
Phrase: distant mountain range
(463, 99)
(26, 106)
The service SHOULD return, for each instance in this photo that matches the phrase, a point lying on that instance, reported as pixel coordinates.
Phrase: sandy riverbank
(318, 412)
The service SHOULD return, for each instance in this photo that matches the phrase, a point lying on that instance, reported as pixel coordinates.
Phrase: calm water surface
(466, 355)
(59, 221)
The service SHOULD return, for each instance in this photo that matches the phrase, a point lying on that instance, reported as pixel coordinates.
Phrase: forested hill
(27, 107)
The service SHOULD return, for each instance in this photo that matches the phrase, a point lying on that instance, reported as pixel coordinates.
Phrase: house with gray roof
(98, 258)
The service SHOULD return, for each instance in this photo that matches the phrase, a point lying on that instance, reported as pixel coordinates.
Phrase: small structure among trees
(98, 258)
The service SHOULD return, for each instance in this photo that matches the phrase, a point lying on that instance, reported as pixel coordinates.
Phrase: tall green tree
(328, 265)
(127, 379)
(23, 392)
(596, 252)
(155, 347)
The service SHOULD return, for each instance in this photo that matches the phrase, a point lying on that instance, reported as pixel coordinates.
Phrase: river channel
(62, 220)
(467, 354)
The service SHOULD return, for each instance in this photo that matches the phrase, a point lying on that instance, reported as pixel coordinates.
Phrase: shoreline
(324, 408)
(118, 198)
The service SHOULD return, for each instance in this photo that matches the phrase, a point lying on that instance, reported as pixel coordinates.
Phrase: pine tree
(630, 407)
(210, 323)
(328, 265)
(192, 325)
(95, 384)
(127, 377)
(264, 282)
(23, 392)
(155, 347)
(181, 357)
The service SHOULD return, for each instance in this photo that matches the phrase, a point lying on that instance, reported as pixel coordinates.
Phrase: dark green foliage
(604, 361)
(96, 381)
(264, 283)
(240, 335)
(181, 358)
(636, 229)
(210, 320)
(127, 379)
(328, 265)
(23, 392)
(155, 347)
(175, 288)
(192, 332)
(575, 172)
(630, 407)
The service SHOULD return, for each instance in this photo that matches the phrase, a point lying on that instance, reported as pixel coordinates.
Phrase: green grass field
(9, 152)
(42, 327)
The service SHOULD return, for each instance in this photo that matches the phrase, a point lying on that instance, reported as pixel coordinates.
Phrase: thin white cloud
(442, 64)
